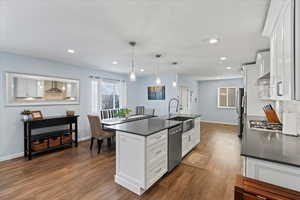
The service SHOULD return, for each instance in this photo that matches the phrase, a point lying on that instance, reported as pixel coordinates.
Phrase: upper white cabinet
(263, 63)
(279, 28)
(25, 87)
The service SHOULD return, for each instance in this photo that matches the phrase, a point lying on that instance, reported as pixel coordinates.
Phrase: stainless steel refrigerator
(240, 109)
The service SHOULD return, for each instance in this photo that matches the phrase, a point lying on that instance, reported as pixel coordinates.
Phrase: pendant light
(174, 83)
(158, 81)
(132, 75)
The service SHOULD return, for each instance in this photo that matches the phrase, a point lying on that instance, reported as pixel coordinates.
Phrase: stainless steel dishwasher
(174, 147)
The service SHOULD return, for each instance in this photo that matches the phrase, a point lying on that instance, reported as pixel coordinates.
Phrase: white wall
(11, 127)
(208, 99)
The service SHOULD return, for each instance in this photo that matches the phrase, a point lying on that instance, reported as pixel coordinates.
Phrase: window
(108, 94)
(227, 97)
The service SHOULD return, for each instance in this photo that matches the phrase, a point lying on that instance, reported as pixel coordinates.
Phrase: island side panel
(130, 161)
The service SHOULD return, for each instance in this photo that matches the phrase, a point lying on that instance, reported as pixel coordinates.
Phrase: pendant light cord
(132, 58)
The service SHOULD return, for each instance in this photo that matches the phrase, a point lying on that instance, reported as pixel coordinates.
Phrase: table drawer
(157, 137)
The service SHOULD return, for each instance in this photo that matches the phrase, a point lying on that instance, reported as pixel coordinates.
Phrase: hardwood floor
(207, 173)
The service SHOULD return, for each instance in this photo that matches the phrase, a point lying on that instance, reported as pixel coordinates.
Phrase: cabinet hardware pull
(158, 152)
(157, 137)
(261, 197)
(278, 88)
(158, 170)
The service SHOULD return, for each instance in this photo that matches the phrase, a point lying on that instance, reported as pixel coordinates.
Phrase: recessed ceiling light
(115, 62)
(213, 41)
(142, 70)
(228, 67)
(223, 58)
(71, 51)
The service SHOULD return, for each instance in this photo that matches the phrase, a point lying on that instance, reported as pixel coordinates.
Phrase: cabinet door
(40, 88)
(185, 143)
(288, 53)
(277, 174)
(197, 131)
(273, 66)
(20, 85)
(282, 61)
(259, 64)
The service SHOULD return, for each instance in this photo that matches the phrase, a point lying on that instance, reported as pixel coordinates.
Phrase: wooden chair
(98, 133)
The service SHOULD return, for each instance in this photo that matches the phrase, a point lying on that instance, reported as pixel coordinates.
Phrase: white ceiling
(99, 32)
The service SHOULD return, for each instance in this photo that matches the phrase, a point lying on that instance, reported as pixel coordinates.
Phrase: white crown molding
(275, 9)
(219, 77)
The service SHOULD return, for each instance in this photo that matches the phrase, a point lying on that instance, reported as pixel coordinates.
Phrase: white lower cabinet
(191, 138)
(277, 174)
(140, 160)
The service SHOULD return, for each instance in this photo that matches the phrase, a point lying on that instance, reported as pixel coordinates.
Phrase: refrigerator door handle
(237, 100)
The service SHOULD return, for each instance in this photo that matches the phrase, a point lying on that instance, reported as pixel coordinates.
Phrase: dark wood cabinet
(251, 189)
(35, 143)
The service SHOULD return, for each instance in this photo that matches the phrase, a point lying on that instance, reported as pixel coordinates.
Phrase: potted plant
(123, 112)
(25, 114)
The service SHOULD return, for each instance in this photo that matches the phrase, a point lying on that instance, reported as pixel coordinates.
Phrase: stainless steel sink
(180, 118)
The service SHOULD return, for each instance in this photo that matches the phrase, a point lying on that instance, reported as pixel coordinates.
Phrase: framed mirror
(27, 89)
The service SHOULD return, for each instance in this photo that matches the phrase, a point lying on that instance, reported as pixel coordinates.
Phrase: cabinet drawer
(156, 171)
(156, 151)
(157, 137)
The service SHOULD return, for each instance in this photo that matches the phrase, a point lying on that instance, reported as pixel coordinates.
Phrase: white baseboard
(17, 155)
(216, 122)
(129, 185)
(84, 138)
(11, 156)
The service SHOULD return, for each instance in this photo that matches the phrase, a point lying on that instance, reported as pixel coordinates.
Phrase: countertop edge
(270, 160)
(136, 133)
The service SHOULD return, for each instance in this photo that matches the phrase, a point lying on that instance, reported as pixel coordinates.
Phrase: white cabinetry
(197, 131)
(25, 87)
(278, 174)
(71, 90)
(140, 160)
(191, 138)
(263, 63)
(280, 28)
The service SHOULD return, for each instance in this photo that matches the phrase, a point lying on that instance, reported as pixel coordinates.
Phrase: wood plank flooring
(207, 173)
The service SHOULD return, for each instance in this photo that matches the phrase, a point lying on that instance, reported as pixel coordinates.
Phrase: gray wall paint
(208, 99)
(11, 130)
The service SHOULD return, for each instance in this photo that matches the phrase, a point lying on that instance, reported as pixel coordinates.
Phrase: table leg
(29, 144)
(76, 133)
(25, 140)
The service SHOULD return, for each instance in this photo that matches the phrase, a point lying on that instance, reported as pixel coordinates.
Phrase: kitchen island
(271, 157)
(142, 150)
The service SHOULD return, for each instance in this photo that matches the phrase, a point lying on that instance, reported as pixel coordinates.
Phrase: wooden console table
(31, 124)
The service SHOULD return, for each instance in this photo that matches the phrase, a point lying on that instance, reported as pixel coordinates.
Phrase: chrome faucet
(177, 101)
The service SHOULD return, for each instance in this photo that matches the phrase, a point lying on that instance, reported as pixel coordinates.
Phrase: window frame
(226, 107)
(115, 87)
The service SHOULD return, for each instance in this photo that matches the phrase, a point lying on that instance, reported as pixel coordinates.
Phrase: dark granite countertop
(271, 146)
(145, 127)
